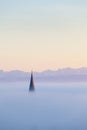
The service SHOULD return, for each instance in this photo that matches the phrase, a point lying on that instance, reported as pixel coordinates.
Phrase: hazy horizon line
(49, 69)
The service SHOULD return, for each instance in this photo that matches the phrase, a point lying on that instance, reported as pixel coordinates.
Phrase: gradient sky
(43, 34)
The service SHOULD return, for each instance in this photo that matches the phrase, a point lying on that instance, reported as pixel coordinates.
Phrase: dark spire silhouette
(31, 87)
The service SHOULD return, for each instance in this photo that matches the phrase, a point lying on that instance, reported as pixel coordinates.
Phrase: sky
(40, 35)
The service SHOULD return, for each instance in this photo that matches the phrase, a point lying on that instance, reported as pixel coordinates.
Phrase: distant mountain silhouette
(61, 75)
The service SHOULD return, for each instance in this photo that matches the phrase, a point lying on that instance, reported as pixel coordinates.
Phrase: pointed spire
(31, 87)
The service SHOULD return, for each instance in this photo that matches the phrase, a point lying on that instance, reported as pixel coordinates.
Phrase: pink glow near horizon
(43, 37)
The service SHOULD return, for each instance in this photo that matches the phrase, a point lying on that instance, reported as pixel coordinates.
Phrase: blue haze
(50, 107)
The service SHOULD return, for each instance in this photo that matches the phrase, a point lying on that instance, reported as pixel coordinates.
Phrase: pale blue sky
(47, 34)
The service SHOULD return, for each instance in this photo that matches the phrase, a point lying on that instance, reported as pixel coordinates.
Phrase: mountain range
(60, 75)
